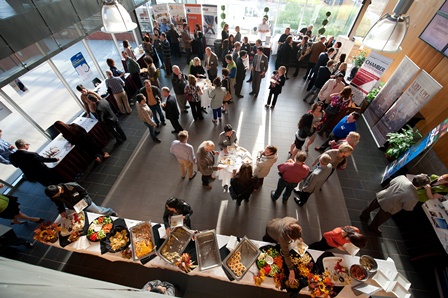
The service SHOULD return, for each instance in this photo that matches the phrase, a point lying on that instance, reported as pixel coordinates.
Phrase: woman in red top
(340, 236)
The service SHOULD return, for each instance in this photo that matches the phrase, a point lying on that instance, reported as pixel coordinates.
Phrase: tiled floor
(140, 175)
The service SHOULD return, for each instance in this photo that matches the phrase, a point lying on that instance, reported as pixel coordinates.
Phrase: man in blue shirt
(341, 130)
(164, 26)
(6, 149)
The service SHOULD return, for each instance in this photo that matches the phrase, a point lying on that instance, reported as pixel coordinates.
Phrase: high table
(217, 272)
(230, 162)
(206, 85)
(72, 161)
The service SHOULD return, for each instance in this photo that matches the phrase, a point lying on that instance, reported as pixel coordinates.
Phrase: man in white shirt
(184, 153)
(330, 87)
(263, 29)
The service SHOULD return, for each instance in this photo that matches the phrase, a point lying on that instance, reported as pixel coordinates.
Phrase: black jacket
(105, 112)
(278, 87)
(32, 166)
(182, 208)
(240, 191)
(323, 76)
(179, 84)
(171, 109)
(155, 91)
(73, 193)
(240, 70)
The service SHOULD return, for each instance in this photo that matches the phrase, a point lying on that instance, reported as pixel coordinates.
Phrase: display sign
(194, 15)
(368, 75)
(438, 132)
(419, 92)
(161, 12)
(391, 91)
(210, 23)
(81, 67)
(177, 12)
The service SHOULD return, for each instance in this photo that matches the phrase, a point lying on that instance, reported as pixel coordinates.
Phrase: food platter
(142, 241)
(118, 239)
(241, 259)
(175, 244)
(207, 250)
(299, 247)
(72, 227)
(338, 270)
(99, 228)
(358, 272)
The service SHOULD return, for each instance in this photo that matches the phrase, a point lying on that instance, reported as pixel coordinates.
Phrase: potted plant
(223, 15)
(321, 31)
(373, 93)
(401, 141)
(266, 10)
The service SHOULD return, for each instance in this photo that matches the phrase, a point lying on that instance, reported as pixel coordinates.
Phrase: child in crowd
(314, 181)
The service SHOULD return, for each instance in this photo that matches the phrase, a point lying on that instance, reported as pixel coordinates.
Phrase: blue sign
(81, 66)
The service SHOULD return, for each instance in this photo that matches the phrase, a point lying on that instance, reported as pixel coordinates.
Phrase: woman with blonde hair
(196, 68)
(352, 139)
(277, 82)
(193, 94)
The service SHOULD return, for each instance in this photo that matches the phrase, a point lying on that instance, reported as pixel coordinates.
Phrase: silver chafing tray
(173, 247)
(142, 239)
(241, 259)
(207, 250)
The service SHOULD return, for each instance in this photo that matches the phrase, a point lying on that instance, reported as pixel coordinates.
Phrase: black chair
(96, 82)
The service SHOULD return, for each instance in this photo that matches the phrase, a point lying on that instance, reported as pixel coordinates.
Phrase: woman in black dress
(78, 136)
(276, 84)
(10, 209)
(175, 206)
(242, 185)
(306, 129)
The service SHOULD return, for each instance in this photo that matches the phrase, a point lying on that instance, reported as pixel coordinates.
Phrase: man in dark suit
(321, 61)
(211, 64)
(32, 165)
(171, 110)
(259, 68)
(316, 49)
(240, 73)
(323, 75)
(107, 116)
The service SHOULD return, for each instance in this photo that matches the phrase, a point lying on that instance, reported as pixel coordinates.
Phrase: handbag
(227, 97)
(187, 94)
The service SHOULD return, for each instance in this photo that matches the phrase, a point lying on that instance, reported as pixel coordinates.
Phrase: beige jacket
(264, 165)
(276, 230)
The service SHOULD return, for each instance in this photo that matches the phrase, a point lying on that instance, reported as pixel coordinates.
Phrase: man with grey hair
(184, 153)
(32, 164)
(401, 194)
(206, 162)
(116, 87)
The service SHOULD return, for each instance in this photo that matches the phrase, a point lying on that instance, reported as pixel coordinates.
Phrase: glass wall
(373, 14)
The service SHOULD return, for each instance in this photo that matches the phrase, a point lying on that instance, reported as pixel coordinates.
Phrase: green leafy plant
(359, 59)
(321, 31)
(401, 141)
(373, 93)
(266, 10)
(223, 15)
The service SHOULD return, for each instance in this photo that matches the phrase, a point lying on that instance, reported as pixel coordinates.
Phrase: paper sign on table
(366, 289)
(351, 248)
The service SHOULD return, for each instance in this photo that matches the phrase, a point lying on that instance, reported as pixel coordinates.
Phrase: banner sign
(194, 15)
(368, 75)
(177, 12)
(210, 23)
(421, 90)
(161, 12)
(391, 91)
(438, 132)
(81, 67)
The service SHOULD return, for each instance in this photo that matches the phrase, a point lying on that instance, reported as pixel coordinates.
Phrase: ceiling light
(115, 18)
(387, 34)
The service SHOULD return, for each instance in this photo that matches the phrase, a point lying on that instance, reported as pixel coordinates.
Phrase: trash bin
(218, 49)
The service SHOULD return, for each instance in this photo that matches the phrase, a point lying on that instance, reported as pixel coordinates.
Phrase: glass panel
(14, 127)
(64, 65)
(67, 36)
(103, 47)
(373, 14)
(46, 99)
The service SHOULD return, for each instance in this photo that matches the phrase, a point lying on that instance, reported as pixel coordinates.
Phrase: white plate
(329, 264)
(399, 291)
(403, 281)
(382, 279)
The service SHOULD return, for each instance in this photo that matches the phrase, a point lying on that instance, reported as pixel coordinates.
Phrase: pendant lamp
(115, 18)
(387, 34)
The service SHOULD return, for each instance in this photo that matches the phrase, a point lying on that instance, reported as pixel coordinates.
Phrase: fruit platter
(73, 226)
(338, 270)
(99, 228)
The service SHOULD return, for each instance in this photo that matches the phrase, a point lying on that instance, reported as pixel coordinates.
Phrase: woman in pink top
(340, 236)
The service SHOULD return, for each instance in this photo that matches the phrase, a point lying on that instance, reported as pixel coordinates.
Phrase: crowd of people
(330, 112)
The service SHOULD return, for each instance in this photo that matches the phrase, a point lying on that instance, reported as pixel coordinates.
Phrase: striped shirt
(115, 84)
(145, 113)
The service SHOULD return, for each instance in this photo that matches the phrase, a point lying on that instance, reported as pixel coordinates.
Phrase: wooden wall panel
(427, 58)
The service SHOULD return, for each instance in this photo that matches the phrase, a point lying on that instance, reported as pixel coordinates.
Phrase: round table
(205, 99)
(231, 161)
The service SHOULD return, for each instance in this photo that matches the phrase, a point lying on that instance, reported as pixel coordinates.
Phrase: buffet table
(231, 162)
(82, 245)
(72, 161)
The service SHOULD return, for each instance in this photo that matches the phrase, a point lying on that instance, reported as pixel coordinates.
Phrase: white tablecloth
(61, 145)
(231, 161)
(205, 99)
(217, 272)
